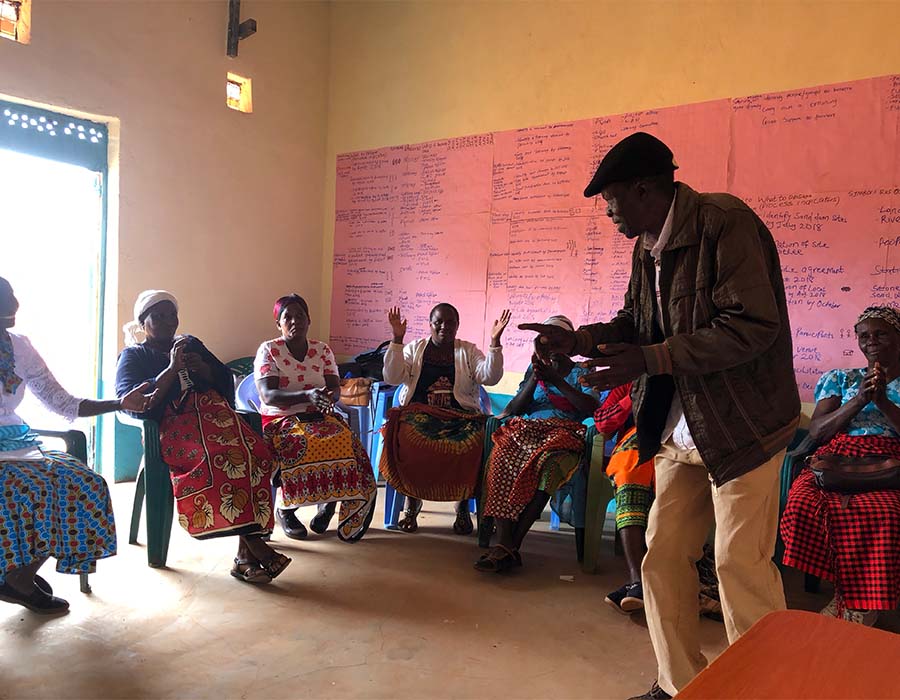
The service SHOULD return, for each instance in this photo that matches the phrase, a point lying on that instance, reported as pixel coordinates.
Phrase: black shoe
(627, 599)
(655, 693)
(320, 522)
(41, 583)
(37, 601)
(292, 527)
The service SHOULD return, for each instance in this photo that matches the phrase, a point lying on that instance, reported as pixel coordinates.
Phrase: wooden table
(796, 654)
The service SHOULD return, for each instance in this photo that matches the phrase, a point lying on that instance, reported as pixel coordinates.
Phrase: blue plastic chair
(393, 501)
(246, 400)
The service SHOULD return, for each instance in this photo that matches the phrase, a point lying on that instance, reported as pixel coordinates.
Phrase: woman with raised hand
(536, 450)
(319, 460)
(220, 468)
(434, 440)
(51, 505)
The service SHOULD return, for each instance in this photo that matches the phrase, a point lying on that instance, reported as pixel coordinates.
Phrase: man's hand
(550, 339)
(621, 363)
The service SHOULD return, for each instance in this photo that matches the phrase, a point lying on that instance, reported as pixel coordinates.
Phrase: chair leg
(554, 521)
(160, 509)
(599, 493)
(579, 543)
(83, 583)
(393, 505)
(139, 490)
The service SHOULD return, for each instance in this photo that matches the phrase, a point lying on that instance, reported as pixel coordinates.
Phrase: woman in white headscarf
(536, 450)
(220, 469)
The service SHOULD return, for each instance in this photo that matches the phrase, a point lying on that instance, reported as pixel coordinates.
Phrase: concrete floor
(394, 616)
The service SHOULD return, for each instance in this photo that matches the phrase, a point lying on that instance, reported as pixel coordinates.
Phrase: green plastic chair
(76, 446)
(241, 367)
(154, 484)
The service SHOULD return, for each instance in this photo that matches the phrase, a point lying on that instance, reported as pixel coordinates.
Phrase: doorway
(52, 198)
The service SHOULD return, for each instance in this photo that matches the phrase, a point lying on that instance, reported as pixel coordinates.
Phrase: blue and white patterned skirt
(55, 507)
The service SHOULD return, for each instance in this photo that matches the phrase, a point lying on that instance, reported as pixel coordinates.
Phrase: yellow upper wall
(222, 208)
(404, 72)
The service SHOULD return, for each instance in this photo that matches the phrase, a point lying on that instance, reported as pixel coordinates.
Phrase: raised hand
(398, 324)
(499, 326)
(550, 339)
(621, 363)
(136, 401)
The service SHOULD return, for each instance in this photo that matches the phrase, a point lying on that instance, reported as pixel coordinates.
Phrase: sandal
(499, 559)
(250, 571)
(463, 524)
(409, 523)
(275, 565)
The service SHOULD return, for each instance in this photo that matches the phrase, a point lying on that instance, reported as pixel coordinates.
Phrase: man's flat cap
(637, 155)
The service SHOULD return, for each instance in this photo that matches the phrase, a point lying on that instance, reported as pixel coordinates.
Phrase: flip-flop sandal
(276, 564)
(463, 524)
(37, 601)
(252, 571)
(498, 560)
(409, 522)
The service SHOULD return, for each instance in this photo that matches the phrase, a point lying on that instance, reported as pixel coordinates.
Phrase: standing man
(704, 335)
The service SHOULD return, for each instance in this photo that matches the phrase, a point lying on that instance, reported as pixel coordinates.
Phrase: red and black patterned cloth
(851, 540)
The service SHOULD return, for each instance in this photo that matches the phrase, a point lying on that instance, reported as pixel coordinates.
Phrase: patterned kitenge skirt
(433, 453)
(852, 540)
(220, 469)
(55, 507)
(530, 455)
(323, 461)
(633, 480)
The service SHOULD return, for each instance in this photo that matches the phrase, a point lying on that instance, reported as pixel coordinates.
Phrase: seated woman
(319, 460)
(434, 442)
(536, 450)
(853, 540)
(634, 493)
(220, 469)
(51, 505)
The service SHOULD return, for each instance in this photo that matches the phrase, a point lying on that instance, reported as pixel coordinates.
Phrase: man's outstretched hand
(620, 363)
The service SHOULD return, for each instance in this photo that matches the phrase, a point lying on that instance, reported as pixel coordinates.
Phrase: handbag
(356, 391)
(855, 474)
(371, 363)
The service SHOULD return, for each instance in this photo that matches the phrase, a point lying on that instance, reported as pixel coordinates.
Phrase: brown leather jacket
(727, 349)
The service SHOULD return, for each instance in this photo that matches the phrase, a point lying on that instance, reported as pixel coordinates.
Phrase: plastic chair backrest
(247, 397)
(242, 366)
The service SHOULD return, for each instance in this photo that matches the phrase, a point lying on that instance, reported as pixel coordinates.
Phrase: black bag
(371, 363)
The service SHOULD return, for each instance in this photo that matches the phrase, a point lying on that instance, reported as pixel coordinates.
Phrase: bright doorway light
(51, 215)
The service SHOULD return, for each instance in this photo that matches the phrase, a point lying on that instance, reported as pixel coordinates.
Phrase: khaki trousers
(745, 512)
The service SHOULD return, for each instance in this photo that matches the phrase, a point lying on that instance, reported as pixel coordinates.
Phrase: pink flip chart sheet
(499, 220)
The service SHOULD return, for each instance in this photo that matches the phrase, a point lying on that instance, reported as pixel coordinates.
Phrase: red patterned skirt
(530, 455)
(853, 540)
(221, 470)
(432, 453)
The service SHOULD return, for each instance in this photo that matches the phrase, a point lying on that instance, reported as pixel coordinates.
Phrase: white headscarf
(561, 322)
(145, 300)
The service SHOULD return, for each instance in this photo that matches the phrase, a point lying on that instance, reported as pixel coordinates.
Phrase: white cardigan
(403, 365)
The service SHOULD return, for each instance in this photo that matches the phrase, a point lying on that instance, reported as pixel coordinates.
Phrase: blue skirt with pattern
(55, 507)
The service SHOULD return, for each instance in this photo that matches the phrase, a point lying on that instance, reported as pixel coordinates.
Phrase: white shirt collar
(666, 232)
